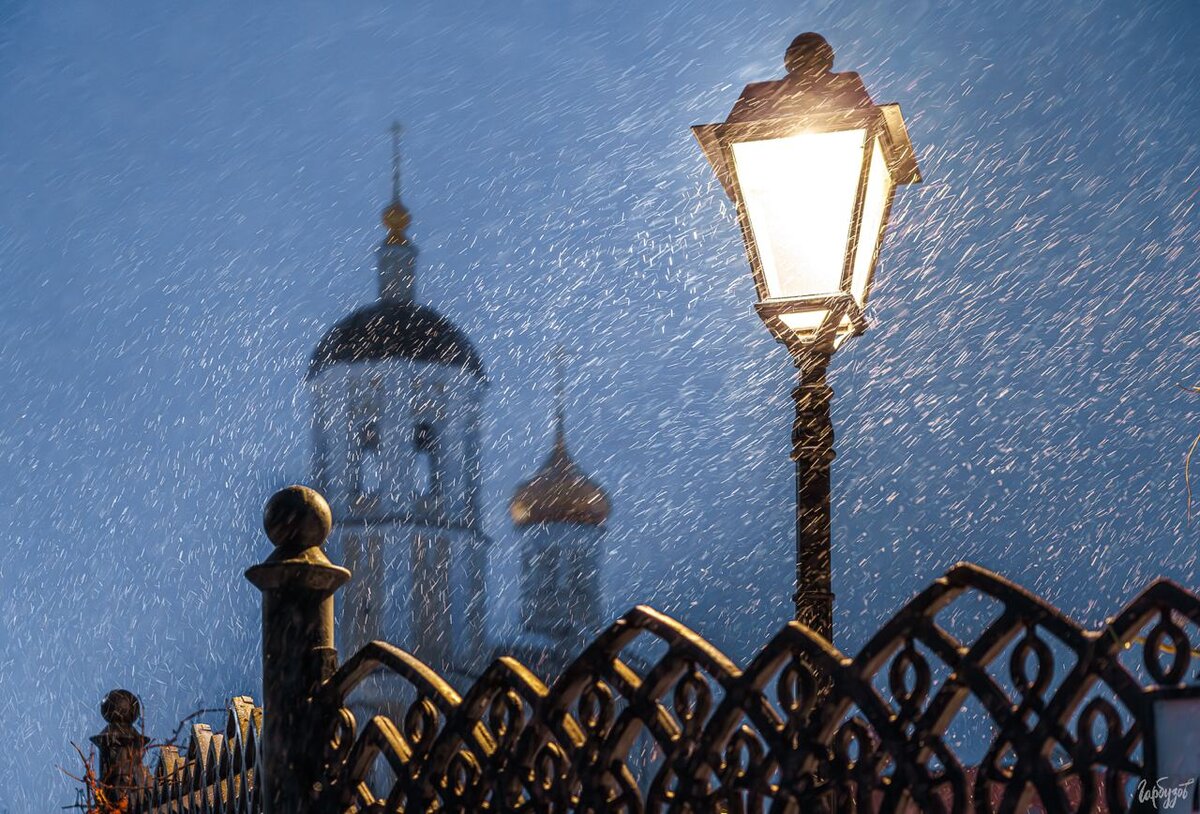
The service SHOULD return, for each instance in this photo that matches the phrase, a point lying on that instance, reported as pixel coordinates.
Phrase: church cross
(396, 131)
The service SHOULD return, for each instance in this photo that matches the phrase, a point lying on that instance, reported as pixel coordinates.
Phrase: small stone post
(298, 583)
(120, 745)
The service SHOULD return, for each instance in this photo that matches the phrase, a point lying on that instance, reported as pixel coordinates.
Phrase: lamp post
(811, 164)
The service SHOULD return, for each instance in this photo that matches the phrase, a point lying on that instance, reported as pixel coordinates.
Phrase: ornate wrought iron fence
(216, 774)
(1065, 713)
(977, 696)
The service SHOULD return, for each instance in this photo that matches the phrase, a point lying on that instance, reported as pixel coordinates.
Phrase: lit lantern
(811, 163)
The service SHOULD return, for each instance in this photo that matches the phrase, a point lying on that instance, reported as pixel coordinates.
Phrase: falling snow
(190, 199)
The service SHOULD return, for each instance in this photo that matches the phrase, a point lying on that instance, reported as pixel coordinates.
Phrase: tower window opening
(370, 460)
(426, 480)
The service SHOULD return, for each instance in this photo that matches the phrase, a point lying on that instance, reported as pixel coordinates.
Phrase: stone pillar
(298, 583)
(120, 745)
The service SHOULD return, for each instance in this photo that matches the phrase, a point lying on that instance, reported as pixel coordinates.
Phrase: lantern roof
(812, 93)
(811, 86)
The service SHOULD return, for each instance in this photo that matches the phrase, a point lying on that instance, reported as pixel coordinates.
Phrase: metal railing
(215, 774)
(976, 696)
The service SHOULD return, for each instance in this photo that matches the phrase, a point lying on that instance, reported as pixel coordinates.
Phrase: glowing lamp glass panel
(799, 193)
(870, 233)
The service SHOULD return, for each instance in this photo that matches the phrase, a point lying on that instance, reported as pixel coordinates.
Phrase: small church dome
(560, 492)
(391, 330)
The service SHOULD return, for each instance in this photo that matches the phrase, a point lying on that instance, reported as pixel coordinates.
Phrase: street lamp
(811, 164)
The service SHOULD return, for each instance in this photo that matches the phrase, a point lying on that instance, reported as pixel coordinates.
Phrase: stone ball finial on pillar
(298, 583)
(120, 745)
(297, 517)
(121, 708)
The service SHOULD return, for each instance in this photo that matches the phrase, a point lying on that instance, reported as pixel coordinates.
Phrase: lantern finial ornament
(809, 55)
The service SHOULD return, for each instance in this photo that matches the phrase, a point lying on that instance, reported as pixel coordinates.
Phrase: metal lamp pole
(813, 454)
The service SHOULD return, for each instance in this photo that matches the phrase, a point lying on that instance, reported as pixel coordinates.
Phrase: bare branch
(179, 729)
(1187, 476)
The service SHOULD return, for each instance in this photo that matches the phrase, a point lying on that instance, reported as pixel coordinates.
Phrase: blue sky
(190, 197)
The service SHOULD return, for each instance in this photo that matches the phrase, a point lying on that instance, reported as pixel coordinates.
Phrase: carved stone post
(298, 583)
(120, 745)
(812, 450)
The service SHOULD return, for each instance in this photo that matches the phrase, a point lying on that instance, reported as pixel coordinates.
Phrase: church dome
(395, 330)
(560, 492)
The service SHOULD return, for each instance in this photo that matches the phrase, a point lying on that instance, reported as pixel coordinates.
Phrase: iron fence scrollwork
(977, 696)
